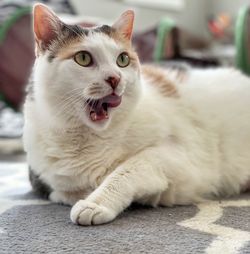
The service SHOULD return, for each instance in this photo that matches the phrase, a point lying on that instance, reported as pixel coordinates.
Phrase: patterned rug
(32, 225)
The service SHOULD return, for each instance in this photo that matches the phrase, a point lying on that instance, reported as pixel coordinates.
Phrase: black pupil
(123, 57)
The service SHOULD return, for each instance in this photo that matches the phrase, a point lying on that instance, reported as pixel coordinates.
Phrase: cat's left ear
(124, 25)
(46, 25)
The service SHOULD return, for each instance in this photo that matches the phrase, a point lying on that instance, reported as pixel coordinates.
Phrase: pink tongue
(113, 100)
(99, 113)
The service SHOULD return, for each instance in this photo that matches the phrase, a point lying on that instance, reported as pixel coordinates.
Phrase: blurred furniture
(17, 47)
(16, 53)
(168, 42)
(242, 39)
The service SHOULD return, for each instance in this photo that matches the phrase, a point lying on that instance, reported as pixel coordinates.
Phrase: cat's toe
(89, 213)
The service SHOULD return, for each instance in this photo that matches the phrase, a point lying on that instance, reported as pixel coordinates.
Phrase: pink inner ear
(124, 24)
(129, 22)
(45, 24)
(127, 33)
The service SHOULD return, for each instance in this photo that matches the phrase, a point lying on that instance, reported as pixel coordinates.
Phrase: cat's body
(174, 139)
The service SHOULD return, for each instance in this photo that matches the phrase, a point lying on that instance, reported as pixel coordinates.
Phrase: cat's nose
(113, 81)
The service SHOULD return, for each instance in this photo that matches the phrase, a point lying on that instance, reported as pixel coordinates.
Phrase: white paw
(89, 213)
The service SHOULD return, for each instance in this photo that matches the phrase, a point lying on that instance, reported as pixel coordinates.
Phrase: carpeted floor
(31, 225)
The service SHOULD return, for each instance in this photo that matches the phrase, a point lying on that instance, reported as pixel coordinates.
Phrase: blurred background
(200, 33)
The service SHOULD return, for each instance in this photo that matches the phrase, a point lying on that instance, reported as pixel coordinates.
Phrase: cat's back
(220, 87)
(221, 100)
(221, 95)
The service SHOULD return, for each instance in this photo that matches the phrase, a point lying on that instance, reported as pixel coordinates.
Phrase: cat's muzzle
(99, 109)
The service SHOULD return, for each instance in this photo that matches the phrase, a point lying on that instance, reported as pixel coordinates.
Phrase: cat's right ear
(124, 25)
(46, 26)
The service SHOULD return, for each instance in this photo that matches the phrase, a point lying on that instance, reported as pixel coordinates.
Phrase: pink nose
(113, 81)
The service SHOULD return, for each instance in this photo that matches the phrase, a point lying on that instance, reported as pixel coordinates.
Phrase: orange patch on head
(159, 78)
(69, 49)
(119, 39)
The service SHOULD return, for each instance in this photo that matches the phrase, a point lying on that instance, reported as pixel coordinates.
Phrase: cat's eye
(123, 60)
(83, 58)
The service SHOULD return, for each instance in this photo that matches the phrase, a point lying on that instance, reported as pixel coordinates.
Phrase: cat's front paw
(89, 213)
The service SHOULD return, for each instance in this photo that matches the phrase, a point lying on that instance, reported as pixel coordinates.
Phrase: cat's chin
(98, 125)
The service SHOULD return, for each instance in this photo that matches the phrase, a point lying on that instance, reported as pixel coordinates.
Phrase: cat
(101, 131)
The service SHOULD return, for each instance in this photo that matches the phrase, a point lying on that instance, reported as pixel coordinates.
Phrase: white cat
(104, 132)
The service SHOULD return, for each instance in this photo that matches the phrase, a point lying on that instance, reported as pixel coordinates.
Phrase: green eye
(123, 60)
(83, 58)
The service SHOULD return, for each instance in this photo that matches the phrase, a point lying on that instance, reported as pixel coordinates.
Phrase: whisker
(67, 104)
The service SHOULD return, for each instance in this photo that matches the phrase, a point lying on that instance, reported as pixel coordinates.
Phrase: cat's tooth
(93, 116)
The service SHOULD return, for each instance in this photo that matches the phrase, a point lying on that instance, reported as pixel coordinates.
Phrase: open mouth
(98, 109)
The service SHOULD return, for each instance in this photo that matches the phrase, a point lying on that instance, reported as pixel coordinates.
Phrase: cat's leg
(60, 198)
(140, 177)
(67, 198)
(38, 186)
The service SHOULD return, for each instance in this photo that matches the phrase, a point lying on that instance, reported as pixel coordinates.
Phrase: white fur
(153, 149)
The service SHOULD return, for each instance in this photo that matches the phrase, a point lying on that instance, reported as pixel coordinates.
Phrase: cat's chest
(74, 162)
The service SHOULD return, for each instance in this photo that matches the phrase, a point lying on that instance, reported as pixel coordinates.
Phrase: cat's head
(85, 75)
